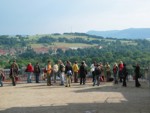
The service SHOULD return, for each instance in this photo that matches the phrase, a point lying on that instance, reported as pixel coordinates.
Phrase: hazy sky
(58, 16)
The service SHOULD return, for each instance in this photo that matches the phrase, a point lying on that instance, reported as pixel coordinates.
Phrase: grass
(59, 44)
(62, 44)
(73, 45)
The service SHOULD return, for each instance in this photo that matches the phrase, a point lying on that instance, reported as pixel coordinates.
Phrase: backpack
(69, 73)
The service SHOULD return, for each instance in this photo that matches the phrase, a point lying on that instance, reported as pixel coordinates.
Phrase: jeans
(115, 78)
(29, 76)
(37, 77)
(120, 75)
(55, 75)
(62, 78)
(96, 80)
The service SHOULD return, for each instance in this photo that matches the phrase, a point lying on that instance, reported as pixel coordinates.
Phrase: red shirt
(120, 67)
(29, 68)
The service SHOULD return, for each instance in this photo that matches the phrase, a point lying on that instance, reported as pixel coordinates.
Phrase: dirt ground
(106, 98)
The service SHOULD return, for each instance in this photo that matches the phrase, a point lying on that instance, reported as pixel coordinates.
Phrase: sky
(30, 17)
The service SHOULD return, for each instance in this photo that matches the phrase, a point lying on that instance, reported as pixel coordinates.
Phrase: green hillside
(73, 47)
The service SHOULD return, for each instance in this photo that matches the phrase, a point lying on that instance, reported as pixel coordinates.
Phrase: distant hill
(131, 33)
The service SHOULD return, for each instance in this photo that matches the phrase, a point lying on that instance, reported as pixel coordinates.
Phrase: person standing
(14, 72)
(108, 73)
(37, 72)
(137, 75)
(48, 71)
(55, 72)
(102, 77)
(83, 73)
(93, 70)
(68, 72)
(1, 78)
(75, 71)
(125, 74)
(115, 71)
(61, 72)
(29, 71)
(97, 75)
(120, 71)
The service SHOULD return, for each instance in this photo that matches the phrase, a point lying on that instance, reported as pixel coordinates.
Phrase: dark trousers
(1, 83)
(37, 77)
(93, 75)
(120, 76)
(115, 78)
(82, 79)
(124, 81)
(137, 84)
(75, 77)
(108, 75)
(49, 79)
(13, 78)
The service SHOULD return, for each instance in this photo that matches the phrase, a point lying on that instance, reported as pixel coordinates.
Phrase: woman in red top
(29, 71)
(115, 71)
(120, 71)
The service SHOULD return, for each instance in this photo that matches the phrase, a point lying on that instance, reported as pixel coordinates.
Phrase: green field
(61, 45)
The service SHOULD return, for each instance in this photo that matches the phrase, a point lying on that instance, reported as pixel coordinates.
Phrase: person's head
(68, 62)
(14, 61)
(75, 62)
(49, 62)
(97, 64)
(59, 61)
(82, 63)
(100, 63)
(115, 64)
(121, 62)
(94, 62)
(107, 63)
(37, 63)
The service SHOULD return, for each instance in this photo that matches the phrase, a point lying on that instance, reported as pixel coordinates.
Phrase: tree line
(111, 51)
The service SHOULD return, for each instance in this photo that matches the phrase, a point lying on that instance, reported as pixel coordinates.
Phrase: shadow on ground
(137, 101)
(124, 107)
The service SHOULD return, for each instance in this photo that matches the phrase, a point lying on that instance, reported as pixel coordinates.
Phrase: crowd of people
(69, 73)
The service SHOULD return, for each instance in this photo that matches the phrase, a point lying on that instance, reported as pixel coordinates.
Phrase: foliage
(112, 50)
